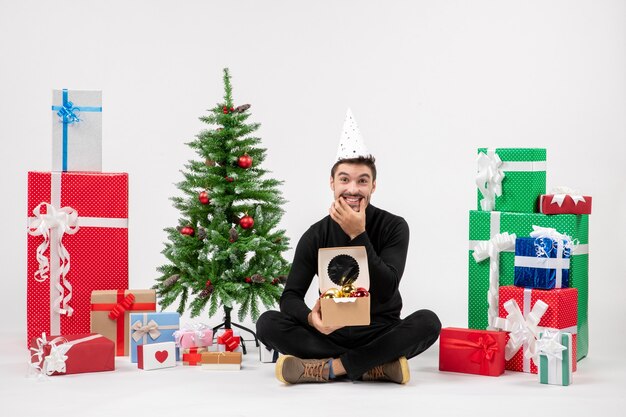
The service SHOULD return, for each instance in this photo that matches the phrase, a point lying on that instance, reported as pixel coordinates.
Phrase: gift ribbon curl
(64, 221)
(121, 307)
(489, 178)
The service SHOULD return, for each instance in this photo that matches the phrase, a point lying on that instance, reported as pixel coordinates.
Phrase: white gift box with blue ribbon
(76, 130)
(149, 328)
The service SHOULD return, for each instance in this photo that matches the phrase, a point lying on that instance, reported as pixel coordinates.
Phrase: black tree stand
(227, 325)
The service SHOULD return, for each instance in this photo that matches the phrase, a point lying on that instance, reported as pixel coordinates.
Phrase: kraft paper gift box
(110, 311)
(564, 201)
(72, 354)
(80, 216)
(334, 265)
(156, 356)
(149, 328)
(542, 263)
(221, 361)
(76, 130)
(193, 356)
(510, 179)
(470, 351)
(484, 231)
(555, 358)
(526, 312)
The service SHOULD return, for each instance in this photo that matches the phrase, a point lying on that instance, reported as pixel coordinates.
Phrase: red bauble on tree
(246, 222)
(187, 230)
(229, 179)
(204, 197)
(248, 280)
(245, 161)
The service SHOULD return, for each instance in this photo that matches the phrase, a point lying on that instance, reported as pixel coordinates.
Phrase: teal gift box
(485, 225)
(555, 352)
(148, 328)
(514, 177)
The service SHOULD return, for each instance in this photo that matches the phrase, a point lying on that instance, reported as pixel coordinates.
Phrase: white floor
(599, 389)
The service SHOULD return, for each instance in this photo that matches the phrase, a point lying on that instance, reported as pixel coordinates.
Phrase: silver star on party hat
(351, 144)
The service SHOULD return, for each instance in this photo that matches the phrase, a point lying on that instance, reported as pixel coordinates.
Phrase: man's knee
(427, 322)
(265, 323)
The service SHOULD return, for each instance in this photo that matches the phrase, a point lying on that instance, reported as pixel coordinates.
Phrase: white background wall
(428, 81)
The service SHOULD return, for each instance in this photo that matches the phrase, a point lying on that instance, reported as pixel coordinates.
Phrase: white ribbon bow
(522, 329)
(549, 345)
(55, 361)
(559, 194)
(491, 249)
(139, 330)
(63, 220)
(489, 178)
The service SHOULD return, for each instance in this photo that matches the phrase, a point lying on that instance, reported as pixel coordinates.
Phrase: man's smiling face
(353, 183)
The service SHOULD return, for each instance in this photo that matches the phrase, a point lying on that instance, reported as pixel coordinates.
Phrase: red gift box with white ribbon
(564, 200)
(525, 313)
(227, 341)
(72, 354)
(77, 216)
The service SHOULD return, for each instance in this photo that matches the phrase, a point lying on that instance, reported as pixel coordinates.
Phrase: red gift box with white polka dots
(92, 209)
(562, 314)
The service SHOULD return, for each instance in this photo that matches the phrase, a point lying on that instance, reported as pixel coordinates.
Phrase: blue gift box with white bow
(76, 130)
(149, 328)
(542, 263)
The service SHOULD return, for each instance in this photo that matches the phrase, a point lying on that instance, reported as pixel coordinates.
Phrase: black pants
(360, 348)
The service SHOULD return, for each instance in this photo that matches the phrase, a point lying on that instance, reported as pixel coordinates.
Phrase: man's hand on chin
(351, 222)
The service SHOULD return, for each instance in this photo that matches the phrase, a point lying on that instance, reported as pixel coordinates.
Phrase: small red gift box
(72, 354)
(228, 340)
(472, 351)
(82, 216)
(519, 309)
(564, 204)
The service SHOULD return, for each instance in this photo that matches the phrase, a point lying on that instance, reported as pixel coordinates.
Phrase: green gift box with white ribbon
(491, 233)
(510, 179)
(555, 352)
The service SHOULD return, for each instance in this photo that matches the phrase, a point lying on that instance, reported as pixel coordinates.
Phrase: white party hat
(351, 144)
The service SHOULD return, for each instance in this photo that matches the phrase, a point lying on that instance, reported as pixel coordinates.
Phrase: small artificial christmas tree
(226, 249)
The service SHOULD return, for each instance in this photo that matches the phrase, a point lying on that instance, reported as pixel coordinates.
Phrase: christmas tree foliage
(226, 250)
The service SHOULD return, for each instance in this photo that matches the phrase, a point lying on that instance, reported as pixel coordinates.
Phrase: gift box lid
(341, 264)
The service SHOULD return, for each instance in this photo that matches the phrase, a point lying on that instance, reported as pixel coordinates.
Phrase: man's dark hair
(370, 161)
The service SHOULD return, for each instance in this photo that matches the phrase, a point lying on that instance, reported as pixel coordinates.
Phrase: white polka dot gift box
(156, 356)
(77, 216)
(525, 313)
(76, 130)
(510, 179)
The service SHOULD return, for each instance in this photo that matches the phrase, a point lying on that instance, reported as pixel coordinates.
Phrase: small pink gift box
(196, 335)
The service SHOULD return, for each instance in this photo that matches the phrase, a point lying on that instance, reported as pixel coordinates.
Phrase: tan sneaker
(395, 371)
(292, 370)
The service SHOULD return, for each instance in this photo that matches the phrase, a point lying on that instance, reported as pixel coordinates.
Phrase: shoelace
(377, 372)
(314, 370)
